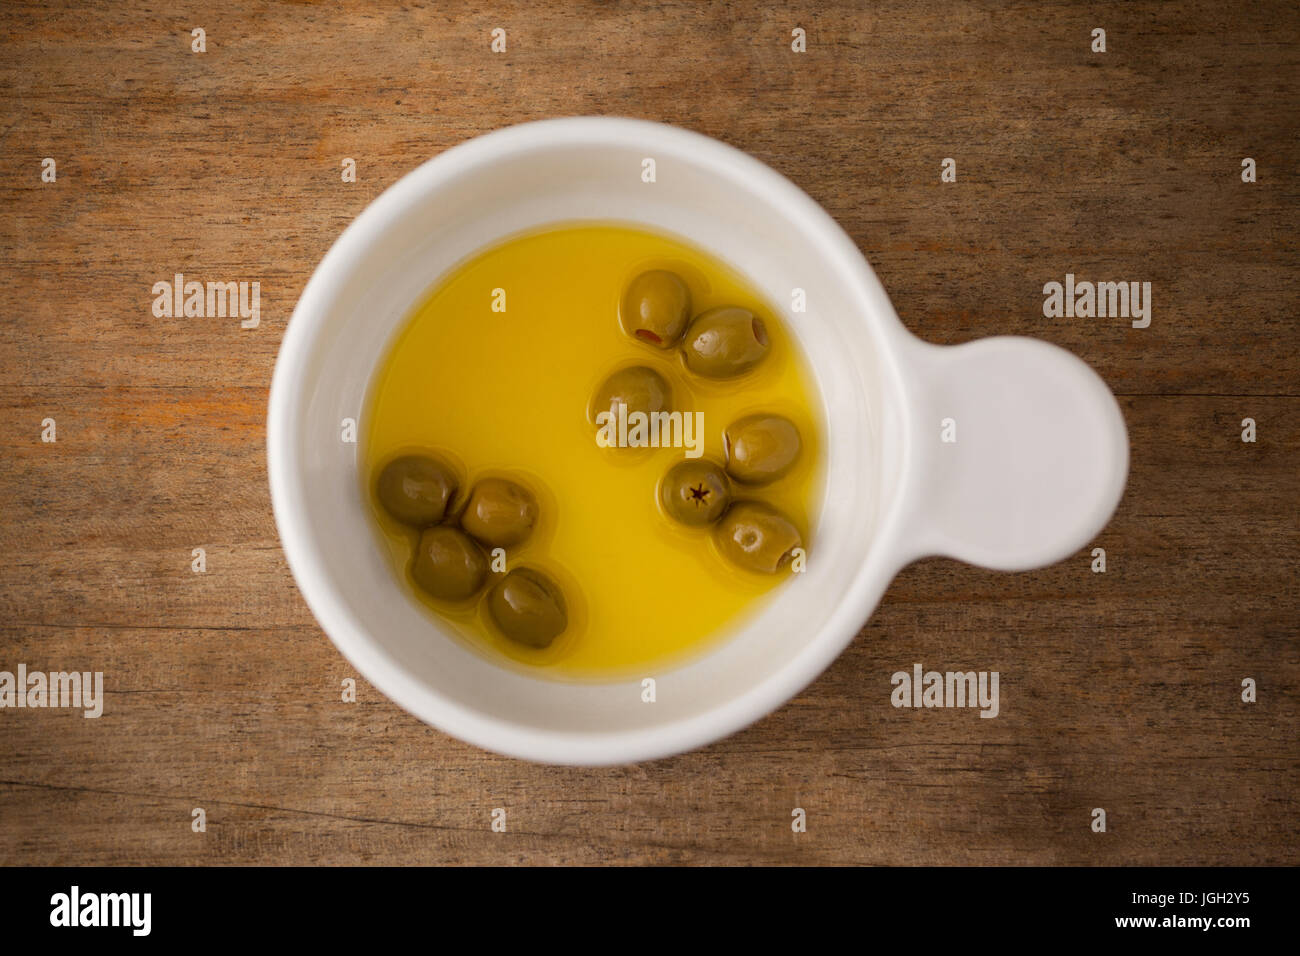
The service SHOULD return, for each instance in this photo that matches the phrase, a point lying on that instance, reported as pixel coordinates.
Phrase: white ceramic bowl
(1036, 471)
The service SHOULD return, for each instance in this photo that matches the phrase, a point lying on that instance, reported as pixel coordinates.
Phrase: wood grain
(1120, 690)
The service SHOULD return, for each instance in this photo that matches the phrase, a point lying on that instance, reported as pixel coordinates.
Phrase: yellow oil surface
(506, 393)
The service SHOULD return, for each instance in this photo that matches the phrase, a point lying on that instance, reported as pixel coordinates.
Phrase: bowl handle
(1021, 453)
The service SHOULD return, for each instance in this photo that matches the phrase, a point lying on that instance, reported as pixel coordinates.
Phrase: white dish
(1037, 469)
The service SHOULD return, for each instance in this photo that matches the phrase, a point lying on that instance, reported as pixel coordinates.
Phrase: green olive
(499, 513)
(756, 537)
(761, 448)
(725, 342)
(415, 489)
(641, 389)
(695, 492)
(448, 564)
(528, 607)
(655, 308)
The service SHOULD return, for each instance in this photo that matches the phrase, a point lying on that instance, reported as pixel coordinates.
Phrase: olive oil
(494, 371)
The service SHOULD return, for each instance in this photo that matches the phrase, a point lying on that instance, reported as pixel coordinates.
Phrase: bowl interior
(470, 198)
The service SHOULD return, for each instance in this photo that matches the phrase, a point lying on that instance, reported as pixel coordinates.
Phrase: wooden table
(1120, 690)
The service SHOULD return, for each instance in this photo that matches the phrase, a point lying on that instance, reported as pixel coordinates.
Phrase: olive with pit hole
(761, 448)
(725, 342)
(756, 536)
(448, 564)
(415, 489)
(655, 308)
(641, 389)
(500, 513)
(695, 492)
(528, 607)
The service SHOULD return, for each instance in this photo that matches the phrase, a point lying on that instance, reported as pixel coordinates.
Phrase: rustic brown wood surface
(1120, 690)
